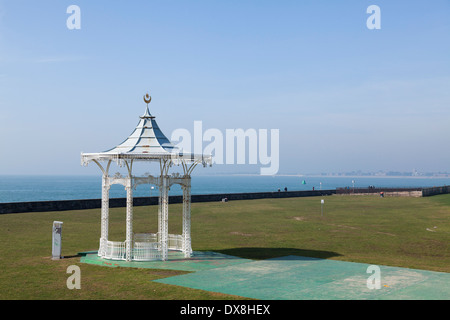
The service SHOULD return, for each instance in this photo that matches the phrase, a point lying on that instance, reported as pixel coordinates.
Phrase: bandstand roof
(146, 143)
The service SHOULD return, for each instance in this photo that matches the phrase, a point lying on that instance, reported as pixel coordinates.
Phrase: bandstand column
(187, 248)
(104, 216)
(129, 221)
(164, 217)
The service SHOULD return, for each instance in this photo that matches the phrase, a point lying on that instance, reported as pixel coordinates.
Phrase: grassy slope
(404, 232)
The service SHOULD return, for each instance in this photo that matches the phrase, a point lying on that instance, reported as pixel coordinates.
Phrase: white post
(159, 212)
(105, 216)
(56, 238)
(164, 217)
(187, 248)
(321, 206)
(129, 228)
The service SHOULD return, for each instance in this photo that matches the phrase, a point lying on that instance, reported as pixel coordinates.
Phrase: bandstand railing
(146, 247)
(115, 250)
(146, 251)
(175, 242)
(146, 237)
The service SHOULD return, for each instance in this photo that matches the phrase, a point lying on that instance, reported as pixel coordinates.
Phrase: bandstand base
(199, 260)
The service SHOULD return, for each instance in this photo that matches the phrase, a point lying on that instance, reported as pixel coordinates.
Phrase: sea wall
(64, 205)
(412, 193)
(387, 192)
(427, 192)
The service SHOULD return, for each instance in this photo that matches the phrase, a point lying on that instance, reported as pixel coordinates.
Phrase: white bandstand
(146, 143)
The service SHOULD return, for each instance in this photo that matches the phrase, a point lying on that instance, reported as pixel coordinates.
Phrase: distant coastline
(378, 176)
(337, 175)
(426, 175)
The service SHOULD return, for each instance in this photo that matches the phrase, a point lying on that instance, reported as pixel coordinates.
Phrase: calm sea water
(44, 188)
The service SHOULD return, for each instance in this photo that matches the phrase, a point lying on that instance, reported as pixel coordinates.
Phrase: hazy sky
(343, 97)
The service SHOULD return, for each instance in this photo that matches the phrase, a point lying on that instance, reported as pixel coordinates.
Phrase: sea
(50, 188)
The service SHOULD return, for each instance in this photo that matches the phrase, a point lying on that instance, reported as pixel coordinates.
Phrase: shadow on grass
(268, 253)
(72, 256)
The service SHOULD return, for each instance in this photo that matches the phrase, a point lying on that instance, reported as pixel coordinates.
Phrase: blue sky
(343, 97)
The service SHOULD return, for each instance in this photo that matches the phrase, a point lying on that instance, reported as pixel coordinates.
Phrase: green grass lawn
(394, 231)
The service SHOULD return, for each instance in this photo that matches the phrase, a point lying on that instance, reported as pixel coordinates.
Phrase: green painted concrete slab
(176, 261)
(298, 278)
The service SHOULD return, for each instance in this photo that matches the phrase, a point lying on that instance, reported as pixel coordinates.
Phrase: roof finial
(147, 99)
